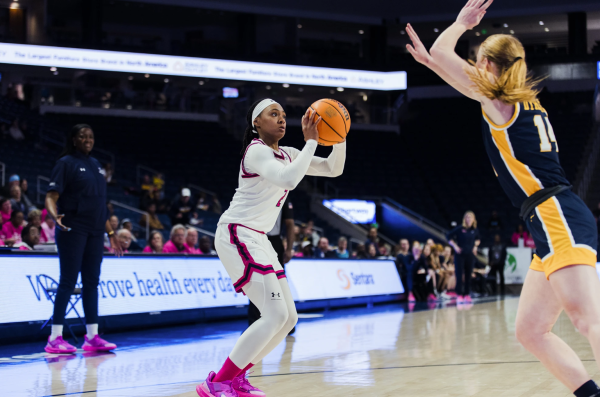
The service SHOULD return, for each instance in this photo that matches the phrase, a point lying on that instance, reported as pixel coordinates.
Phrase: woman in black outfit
(465, 240)
(78, 193)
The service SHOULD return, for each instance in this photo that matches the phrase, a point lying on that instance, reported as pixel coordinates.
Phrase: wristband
(111, 233)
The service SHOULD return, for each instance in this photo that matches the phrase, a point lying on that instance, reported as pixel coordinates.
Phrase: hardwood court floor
(383, 351)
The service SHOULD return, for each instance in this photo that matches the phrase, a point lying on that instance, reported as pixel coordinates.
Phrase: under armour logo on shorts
(273, 295)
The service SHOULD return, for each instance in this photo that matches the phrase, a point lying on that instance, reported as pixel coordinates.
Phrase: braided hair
(249, 133)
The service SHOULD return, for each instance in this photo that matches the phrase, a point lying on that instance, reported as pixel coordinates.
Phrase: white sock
(56, 332)
(92, 330)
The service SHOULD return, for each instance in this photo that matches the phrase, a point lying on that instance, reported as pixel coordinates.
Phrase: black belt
(538, 198)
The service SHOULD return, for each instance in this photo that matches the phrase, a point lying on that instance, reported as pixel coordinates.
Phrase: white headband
(262, 105)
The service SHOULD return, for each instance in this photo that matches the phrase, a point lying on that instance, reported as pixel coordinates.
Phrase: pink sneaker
(58, 346)
(208, 388)
(432, 298)
(242, 386)
(452, 294)
(460, 300)
(411, 297)
(97, 344)
(468, 299)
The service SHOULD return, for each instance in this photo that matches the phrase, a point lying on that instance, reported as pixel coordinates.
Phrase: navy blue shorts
(565, 233)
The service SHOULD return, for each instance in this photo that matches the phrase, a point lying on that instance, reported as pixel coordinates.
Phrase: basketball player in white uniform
(267, 173)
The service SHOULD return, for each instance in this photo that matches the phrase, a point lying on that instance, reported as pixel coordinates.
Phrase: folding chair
(50, 287)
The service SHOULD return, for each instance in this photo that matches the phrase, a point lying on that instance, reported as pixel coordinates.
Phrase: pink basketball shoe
(460, 300)
(97, 344)
(209, 388)
(242, 386)
(468, 299)
(59, 346)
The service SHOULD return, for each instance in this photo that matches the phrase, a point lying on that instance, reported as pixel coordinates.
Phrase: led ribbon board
(74, 58)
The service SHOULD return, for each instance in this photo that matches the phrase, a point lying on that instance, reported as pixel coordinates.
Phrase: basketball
(335, 122)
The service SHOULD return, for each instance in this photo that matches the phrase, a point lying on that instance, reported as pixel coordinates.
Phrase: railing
(201, 189)
(39, 180)
(137, 211)
(203, 231)
(3, 173)
(139, 169)
(415, 215)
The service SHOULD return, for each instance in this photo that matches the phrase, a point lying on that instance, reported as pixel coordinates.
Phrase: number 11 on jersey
(546, 136)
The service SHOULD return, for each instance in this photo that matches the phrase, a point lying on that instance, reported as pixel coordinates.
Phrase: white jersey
(267, 176)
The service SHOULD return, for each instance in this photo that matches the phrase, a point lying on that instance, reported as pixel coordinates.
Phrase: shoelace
(245, 382)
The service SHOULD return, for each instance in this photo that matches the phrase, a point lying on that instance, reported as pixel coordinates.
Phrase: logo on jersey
(100, 170)
(275, 295)
(82, 169)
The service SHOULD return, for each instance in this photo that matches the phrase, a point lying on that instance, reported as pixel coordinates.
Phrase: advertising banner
(331, 279)
(154, 284)
(75, 58)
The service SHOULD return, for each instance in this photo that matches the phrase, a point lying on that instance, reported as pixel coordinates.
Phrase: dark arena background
(165, 86)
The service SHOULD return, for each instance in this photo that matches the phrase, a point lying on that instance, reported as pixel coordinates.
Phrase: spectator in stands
(158, 181)
(24, 197)
(11, 230)
(13, 180)
(373, 239)
(5, 210)
(372, 251)
(342, 249)
(48, 233)
(322, 251)
(521, 233)
(361, 252)
(202, 203)
(423, 284)
(195, 220)
(216, 205)
(156, 243)
(181, 210)
(191, 239)
(309, 233)
(35, 217)
(479, 278)
(206, 246)
(114, 222)
(15, 200)
(495, 223)
(147, 184)
(497, 259)
(30, 237)
(447, 263)
(176, 244)
(127, 225)
(411, 263)
(465, 240)
(124, 238)
(155, 223)
(15, 131)
(402, 259)
(110, 209)
(109, 174)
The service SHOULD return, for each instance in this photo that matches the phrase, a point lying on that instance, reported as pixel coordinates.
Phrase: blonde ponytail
(514, 84)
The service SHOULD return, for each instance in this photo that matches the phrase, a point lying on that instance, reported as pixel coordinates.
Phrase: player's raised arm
(443, 51)
(419, 52)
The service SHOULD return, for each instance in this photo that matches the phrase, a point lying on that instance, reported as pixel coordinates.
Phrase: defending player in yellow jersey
(522, 147)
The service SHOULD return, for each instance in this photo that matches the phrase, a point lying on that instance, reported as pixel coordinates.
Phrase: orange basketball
(335, 122)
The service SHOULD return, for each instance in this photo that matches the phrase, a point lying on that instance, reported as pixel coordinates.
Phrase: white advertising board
(75, 58)
(331, 279)
(354, 211)
(517, 264)
(154, 284)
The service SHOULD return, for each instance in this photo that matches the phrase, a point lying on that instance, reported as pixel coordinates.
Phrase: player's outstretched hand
(417, 49)
(309, 125)
(473, 12)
